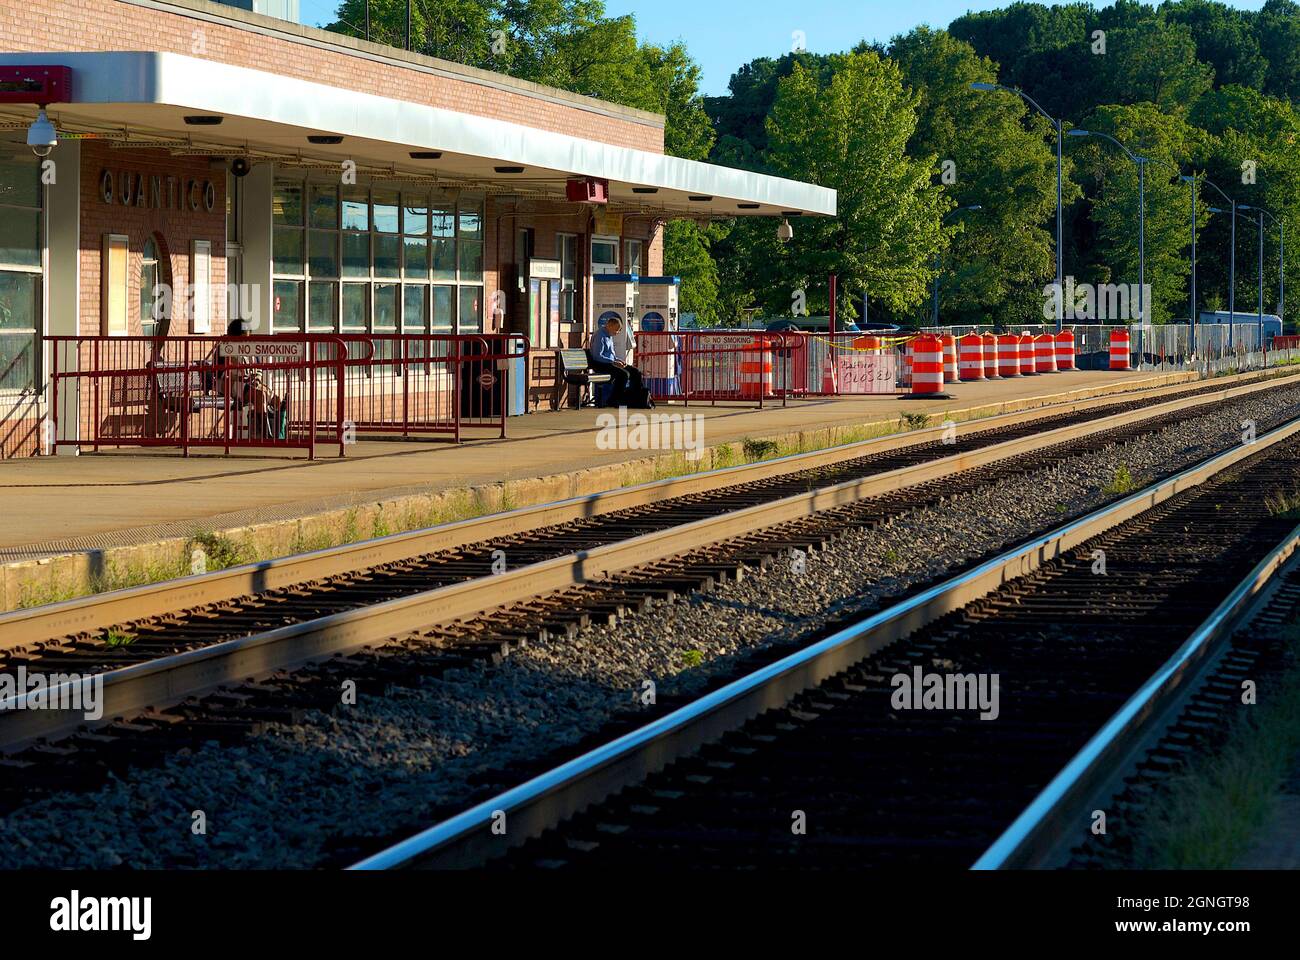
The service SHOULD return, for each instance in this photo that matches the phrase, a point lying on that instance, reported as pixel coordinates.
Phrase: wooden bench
(575, 368)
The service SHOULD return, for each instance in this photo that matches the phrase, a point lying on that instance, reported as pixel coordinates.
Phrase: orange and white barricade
(970, 357)
(1009, 355)
(756, 370)
(990, 356)
(1027, 365)
(1065, 350)
(1045, 353)
(1121, 350)
(927, 365)
(949, 358)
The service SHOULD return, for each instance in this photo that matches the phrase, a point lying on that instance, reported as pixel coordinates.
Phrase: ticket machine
(614, 295)
(656, 313)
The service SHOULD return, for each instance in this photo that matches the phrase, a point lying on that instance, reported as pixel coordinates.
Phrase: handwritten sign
(867, 373)
(266, 350)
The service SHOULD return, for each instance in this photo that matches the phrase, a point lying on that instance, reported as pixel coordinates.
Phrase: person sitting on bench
(604, 359)
(248, 390)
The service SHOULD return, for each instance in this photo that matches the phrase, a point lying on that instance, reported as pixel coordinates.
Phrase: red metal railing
(433, 383)
(723, 365)
(280, 392)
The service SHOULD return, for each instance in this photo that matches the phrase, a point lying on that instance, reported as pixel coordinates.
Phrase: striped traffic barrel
(1027, 366)
(1065, 350)
(970, 357)
(927, 365)
(1121, 350)
(949, 358)
(1045, 353)
(756, 370)
(1008, 355)
(990, 356)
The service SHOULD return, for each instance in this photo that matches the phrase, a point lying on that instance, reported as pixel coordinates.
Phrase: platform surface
(86, 501)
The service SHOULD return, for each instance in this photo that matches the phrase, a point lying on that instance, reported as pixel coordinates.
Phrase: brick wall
(172, 226)
(93, 25)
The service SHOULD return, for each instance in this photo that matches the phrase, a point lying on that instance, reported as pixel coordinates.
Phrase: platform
(98, 503)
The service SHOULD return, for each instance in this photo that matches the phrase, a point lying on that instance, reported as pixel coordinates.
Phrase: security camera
(41, 135)
(240, 167)
(785, 232)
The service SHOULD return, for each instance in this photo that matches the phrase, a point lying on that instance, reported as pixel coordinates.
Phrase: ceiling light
(203, 120)
(426, 154)
(324, 138)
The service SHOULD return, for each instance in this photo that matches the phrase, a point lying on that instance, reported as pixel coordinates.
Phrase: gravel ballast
(277, 799)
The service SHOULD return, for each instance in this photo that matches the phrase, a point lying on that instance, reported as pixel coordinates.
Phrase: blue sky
(723, 34)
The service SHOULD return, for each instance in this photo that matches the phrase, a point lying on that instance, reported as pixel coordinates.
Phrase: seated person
(604, 359)
(248, 389)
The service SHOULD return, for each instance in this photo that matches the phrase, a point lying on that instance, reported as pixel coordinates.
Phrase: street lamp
(938, 260)
(1232, 258)
(1192, 315)
(1281, 262)
(1142, 212)
(1058, 126)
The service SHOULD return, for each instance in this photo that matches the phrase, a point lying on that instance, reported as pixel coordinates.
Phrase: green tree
(850, 132)
(1167, 141)
(456, 30)
(999, 155)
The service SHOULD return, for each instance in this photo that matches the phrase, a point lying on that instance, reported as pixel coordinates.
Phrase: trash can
(482, 384)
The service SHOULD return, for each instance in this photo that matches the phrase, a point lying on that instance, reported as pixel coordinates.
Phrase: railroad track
(562, 578)
(1102, 678)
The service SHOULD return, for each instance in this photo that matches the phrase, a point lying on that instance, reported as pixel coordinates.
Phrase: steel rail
(167, 680)
(86, 614)
(467, 839)
(1055, 821)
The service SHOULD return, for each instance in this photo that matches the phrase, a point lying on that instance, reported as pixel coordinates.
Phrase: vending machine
(659, 358)
(614, 295)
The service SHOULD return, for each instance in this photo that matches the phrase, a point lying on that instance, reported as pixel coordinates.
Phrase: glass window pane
(386, 212)
(385, 306)
(416, 264)
(444, 222)
(20, 237)
(354, 305)
(287, 252)
(20, 308)
(322, 306)
(356, 254)
(323, 252)
(471, 260)
(325, 207)
(442, 308)
(286, 206)
(471, 219)
(356, 209)
(444, 259)
(386, 252)
(471, 310)
(415, 214)
(286, 306)
(604, 253)
(414, 299)
(20, 181)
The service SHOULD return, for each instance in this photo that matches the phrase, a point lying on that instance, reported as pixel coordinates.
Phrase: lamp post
(1281, 256)
(1232, 258)
(1059, 126)
(1192, 315)
(939, 260)
(1142, 212)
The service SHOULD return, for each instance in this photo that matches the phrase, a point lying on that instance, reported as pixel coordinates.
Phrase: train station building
(312, 184)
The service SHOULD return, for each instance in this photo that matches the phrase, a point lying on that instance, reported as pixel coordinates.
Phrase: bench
(174, 383)
(575, 368)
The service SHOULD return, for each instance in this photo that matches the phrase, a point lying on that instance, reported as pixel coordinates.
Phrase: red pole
(832, 320)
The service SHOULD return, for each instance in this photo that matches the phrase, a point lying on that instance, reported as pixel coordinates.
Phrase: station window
(376, 260)
(21, 274)
(604, 255)
(568, 246)
(632, 256)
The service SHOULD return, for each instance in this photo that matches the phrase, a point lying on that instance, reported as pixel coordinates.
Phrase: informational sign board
(861, 372)
(267, 350)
